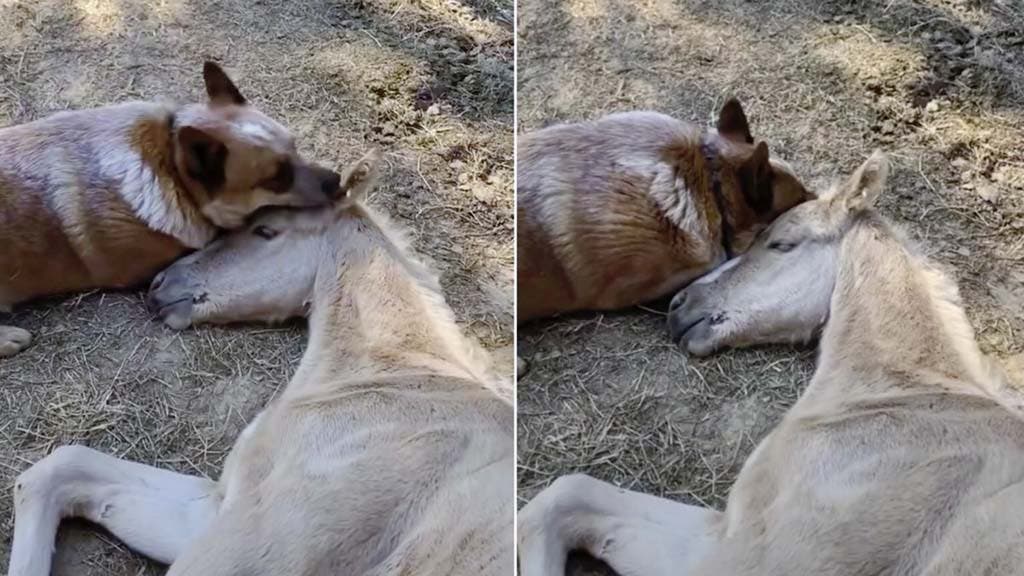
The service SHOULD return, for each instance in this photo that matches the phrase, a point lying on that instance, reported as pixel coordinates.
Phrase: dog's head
(760, 187)
(233, 159)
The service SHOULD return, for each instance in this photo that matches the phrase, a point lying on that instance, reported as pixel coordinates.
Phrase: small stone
(482, 192)
(932, 107)
(434, 110)
(989, 192)
(964, 251)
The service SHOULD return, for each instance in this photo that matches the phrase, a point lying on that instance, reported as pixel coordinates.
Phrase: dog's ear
(219, 87)
(732, 122)
(359, 179)
(204, 157)
(755, 176)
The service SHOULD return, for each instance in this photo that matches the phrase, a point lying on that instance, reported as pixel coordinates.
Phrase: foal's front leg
(636, 534)
(154, 511)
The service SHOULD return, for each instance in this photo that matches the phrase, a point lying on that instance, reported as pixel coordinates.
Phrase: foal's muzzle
(171, 298)
(688, 318)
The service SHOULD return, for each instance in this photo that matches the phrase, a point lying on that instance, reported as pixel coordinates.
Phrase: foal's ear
(862, 189)
(359, 179)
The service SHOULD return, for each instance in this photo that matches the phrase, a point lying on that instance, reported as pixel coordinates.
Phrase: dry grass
(938, 83)
(428, 82)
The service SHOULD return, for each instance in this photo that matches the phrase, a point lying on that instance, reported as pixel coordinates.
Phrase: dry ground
(938, 83)
(429, 81)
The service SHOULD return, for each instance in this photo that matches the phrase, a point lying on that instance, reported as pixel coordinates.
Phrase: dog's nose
(330, 184)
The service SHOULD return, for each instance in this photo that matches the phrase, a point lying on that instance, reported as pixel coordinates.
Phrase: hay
(428, 82)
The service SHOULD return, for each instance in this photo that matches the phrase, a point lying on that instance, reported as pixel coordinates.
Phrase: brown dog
(105, 198)
(628, 208)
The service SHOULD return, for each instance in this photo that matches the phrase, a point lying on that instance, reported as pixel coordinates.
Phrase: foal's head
(780, 290)
(267, 270)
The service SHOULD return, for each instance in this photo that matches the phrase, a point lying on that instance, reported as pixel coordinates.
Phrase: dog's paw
(13, 340)
(522, 367)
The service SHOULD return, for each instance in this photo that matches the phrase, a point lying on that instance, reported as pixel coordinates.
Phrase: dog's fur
(623, 210)
(105, 198)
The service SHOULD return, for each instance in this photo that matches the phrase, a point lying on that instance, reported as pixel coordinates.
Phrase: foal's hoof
(13, 340)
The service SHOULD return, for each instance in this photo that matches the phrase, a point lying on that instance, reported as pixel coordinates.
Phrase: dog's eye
(781, 246)
(264, 232)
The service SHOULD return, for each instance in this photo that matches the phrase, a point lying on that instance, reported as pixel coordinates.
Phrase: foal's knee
(48, 475)
(557, 503)
(572, 490)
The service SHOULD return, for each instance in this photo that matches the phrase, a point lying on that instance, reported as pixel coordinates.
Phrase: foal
(905, 455)
(389, 452)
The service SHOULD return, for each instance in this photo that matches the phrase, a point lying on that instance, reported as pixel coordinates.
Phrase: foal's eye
(264, 232)
(780, 246)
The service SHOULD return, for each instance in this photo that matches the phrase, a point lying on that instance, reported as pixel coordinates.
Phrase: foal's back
(389, 475)
(919, 483)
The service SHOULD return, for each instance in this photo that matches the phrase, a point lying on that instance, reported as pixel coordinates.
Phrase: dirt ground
(428, 81)
(937, 83)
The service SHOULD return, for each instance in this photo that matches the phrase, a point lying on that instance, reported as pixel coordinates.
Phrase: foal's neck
(380, 313)
(896, 323)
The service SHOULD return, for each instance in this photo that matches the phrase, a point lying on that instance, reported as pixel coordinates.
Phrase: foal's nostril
(158, 281)
(677, 301)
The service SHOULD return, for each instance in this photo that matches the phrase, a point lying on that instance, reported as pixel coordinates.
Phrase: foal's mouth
(157, 307)
(678, 329)
(162, 309)
(176, 313)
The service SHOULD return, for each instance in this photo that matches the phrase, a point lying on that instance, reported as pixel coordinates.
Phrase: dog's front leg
(155, 512)
(636, 534)
(13, 340)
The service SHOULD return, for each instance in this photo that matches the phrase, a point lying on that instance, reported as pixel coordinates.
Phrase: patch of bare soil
(937, 83)
(430, 82)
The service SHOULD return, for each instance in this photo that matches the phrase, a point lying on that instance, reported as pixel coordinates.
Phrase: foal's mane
(943, 294)
(474, 359)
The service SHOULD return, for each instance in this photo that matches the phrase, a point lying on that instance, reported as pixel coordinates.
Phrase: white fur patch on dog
(256, 131)
(141, 189)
